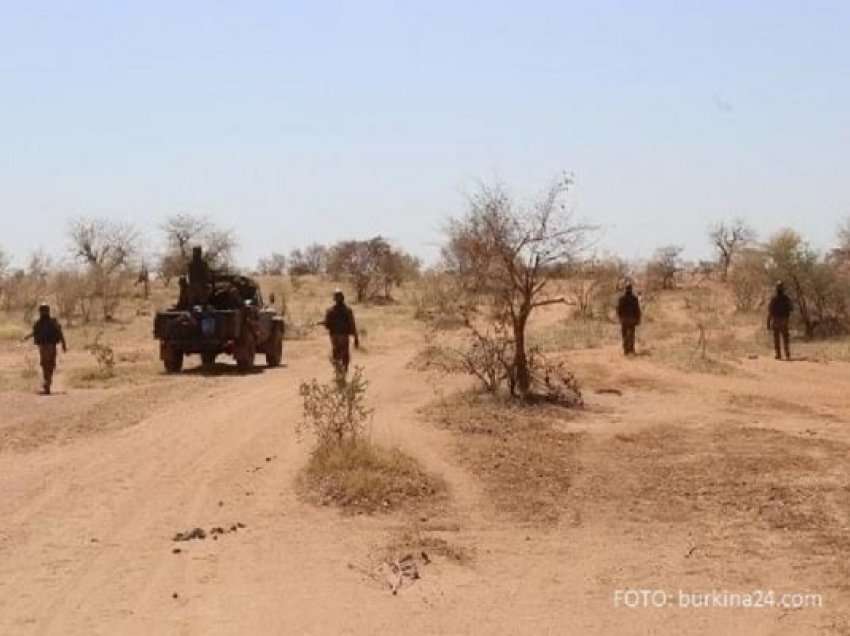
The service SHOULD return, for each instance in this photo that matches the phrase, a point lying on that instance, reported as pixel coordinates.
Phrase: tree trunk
(725, 262)
(523, 374)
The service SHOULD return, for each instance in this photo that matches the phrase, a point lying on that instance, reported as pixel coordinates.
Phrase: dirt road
(86, 538)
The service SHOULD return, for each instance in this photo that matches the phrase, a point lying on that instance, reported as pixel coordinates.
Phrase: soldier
(199, 279)
(778, 315)
(46, 334)
(339, 321)
(628, 312)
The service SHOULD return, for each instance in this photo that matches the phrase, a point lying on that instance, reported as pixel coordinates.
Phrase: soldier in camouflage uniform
(778, 318)
(629, 314)
(47, 334)
(200, 279)
(339, 321)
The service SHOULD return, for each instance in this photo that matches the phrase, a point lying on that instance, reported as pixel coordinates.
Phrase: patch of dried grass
(527, 465)
(361, 477)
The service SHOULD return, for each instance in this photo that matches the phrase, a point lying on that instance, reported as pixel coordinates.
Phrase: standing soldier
(46, 334)
(199, 279)
(778, 315)
(628, 311)
(339, 321)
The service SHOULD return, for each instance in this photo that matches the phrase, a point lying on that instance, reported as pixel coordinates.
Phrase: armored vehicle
(221, 314)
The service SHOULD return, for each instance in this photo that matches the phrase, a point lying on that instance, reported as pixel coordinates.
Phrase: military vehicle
(231, 318)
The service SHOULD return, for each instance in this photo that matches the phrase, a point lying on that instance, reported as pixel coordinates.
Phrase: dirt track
(86, 541)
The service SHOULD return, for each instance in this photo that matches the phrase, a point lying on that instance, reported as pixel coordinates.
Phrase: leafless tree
(592, 285)
(272, 265)
(665, 265)
(374, 267)
(103, 244)
(185, 231)
(312, 260)
(728, 238)
(107, 249)
(506, 253)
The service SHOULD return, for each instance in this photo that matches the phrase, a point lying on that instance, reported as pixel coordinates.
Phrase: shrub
(592, 286)
(438, 300)
(344, 467)
(335, 412)
(819, 287)
(748, 278)
(104, 356)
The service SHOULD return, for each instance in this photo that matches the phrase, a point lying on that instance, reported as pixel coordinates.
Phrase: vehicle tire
(208, 360)
(172, 358)
(245, 353)
(274, 351)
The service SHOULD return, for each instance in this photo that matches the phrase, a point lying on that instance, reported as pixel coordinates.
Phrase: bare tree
(374, 267)
(103, 244)
(506, 253)
(273, 265)
(665, 265)
(360, 263)
(107, 249)
(312, 260)
(592, 285)
(219, 246)
(728, 238)
(185, 231)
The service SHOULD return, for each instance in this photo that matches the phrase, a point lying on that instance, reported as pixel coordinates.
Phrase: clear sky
(316, 121)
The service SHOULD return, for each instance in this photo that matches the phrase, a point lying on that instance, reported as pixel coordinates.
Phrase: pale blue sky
(318, 121)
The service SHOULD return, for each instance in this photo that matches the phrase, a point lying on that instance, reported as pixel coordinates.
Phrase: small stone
(176, 551)
(175, 595)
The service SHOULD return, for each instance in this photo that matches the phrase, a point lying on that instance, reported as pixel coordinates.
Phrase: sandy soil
(675, 490)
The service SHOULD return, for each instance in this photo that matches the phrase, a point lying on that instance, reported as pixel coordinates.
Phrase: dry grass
(526, 464)
(683, 356)
(11, 331)
(361, 477)
(760, 485)
(747, 402)
(128, 374)
(572, 334)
